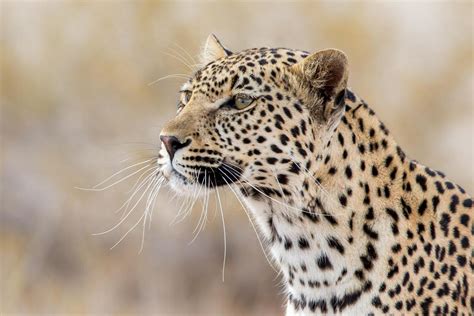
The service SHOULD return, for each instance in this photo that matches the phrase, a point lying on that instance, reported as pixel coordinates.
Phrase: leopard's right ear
(213, 50)
(321, 79)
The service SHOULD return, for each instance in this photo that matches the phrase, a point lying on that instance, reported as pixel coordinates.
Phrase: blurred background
(77, 106)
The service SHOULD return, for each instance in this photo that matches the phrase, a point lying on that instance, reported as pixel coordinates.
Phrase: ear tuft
(213, 50)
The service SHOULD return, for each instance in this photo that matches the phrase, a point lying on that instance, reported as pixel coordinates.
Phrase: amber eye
(241, 101)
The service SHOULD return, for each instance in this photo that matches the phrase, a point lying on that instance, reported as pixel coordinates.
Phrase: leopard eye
(184, 99)
(187, 96)
(242, 101)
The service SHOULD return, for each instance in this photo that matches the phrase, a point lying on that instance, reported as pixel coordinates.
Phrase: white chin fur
(184, 188)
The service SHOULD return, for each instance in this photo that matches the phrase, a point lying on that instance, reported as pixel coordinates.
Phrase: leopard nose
(173, 144)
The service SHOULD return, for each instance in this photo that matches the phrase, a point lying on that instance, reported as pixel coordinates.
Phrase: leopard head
(255, 117)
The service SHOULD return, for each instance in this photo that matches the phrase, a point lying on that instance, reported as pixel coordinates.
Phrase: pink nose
(172, 144)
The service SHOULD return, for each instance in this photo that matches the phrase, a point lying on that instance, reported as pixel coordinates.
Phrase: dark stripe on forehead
(234, 80)
(240, 82)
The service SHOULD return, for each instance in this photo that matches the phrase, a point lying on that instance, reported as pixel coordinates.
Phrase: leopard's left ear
(322, 77)
(213, 50)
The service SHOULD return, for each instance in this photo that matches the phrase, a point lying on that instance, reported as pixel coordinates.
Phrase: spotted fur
(355, 225)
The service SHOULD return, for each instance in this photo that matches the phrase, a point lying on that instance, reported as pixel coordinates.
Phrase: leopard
(354, 225)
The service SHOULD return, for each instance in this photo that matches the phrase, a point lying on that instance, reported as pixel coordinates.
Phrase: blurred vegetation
(75, 102)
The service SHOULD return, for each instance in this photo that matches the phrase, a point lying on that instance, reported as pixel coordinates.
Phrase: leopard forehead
(248, 70)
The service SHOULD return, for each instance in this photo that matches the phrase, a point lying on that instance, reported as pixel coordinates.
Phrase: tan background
(75, 101)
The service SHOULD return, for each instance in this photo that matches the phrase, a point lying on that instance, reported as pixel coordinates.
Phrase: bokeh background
(76, 106)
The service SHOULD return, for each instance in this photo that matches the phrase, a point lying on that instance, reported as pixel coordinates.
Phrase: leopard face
(241, 118)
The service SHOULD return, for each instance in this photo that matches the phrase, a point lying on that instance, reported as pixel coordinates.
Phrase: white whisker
(120, 171)
(247, 182)
(126, 234)
(191, 58)
(94, 188)
(146, 172)
(189, 207)
(223, 229)
(154, 203)
(177, 76)
(180, 210)
(182, 58)
(251, 222)
(179, 59)
(149, 181)
(129, 200)
(159, 185)
(203, 217)
(141, 217)
(198, 226)
(153, 191)
(132, 154)
(116, 182)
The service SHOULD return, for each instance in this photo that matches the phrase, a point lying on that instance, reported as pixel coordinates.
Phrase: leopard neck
(324, 239)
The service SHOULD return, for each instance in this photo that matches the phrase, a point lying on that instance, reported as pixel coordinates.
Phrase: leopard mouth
(224, 174)
(210, 177)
